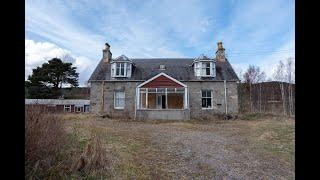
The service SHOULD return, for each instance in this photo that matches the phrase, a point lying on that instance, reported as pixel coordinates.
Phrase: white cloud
(269, 63)
(58, 27)
(37, 53)
(166, 29)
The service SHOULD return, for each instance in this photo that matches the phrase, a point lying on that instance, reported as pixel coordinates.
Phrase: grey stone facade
(218, 100)
(97, 97)
(108, 78)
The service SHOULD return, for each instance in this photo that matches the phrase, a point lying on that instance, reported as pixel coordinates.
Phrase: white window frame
(128, 70)
(121, 65)
(201, 71)
(67, 106)
(211, 91)
(197, 69)
(126, 66)
(114, 100)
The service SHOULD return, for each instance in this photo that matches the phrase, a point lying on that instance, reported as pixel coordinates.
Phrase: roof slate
(58, 101)
(178, 68)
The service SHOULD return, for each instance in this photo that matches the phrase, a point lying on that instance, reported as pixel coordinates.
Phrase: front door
(161, 101)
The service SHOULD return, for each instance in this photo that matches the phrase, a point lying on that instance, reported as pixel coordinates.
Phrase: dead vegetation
(254, 146)
(44, 138)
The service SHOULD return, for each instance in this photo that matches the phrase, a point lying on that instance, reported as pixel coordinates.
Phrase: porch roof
(161, 80)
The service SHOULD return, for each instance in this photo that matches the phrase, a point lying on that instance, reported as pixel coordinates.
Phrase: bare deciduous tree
(290, 79)
(285, 73)
(279, 75)
(253, 75)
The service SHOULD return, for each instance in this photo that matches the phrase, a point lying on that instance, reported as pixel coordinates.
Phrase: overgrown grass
(52, 153)
(44, 139)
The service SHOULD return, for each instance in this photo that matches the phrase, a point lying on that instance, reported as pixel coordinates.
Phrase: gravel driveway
(214, 150)
(216, 155)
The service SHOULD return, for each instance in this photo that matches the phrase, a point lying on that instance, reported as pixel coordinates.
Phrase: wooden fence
(268, 97)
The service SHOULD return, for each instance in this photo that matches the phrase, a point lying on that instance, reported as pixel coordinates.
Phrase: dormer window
(204, 67)
(121, 67)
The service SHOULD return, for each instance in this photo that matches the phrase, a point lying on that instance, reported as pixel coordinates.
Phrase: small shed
(61, 105)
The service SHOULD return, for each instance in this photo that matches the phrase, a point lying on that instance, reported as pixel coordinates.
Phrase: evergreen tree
(47, 80)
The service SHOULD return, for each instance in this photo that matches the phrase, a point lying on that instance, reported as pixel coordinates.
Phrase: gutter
(225, 97)
(135, 104)
(178, 80)
(102, 99)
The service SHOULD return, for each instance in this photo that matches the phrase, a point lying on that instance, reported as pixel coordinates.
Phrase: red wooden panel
(161, 81)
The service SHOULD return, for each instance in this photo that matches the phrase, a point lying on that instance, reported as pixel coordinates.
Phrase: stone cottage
(163, 88)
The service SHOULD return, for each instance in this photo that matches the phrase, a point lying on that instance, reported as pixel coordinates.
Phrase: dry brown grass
(51, 152)
(97, 148)
(44, 137)
(44, 134)
(94, 156)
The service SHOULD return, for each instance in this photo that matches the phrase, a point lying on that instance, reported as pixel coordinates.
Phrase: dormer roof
(121, 58)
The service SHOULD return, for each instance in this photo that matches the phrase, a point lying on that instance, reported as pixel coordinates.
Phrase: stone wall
(165, 114)
(194, 92)
(108, 108)
(218, 104)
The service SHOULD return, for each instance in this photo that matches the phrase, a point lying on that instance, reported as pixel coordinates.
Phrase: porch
(162, 97)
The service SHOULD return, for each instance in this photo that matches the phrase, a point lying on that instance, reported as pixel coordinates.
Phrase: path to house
(241, 149)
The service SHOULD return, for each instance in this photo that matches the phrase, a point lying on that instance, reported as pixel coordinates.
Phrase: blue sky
(253, 32)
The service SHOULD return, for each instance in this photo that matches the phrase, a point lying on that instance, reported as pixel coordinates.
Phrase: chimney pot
(106, 53)
(220, 54)
(107, 46)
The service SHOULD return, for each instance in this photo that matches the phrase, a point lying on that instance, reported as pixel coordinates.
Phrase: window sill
(119, 108)
(206, 76)
(120, 77)
(162, 109)
(206, 108)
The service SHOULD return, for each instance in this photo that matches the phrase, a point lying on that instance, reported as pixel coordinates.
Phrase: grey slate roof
(58, 101)
(178, 68)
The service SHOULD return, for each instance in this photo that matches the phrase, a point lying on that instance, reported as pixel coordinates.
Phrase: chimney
(107, 55)
(220, 55)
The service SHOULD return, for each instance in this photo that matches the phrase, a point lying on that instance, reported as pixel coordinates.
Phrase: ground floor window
(119, 98)
(77, 108)
(206, 99)
(86, 108)
(67, 108)
(162, 98)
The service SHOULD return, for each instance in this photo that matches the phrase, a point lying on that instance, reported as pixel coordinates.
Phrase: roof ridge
(163, 58)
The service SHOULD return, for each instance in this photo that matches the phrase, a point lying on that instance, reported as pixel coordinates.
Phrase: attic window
(121, 69)
(162, 67)
(205, 68)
